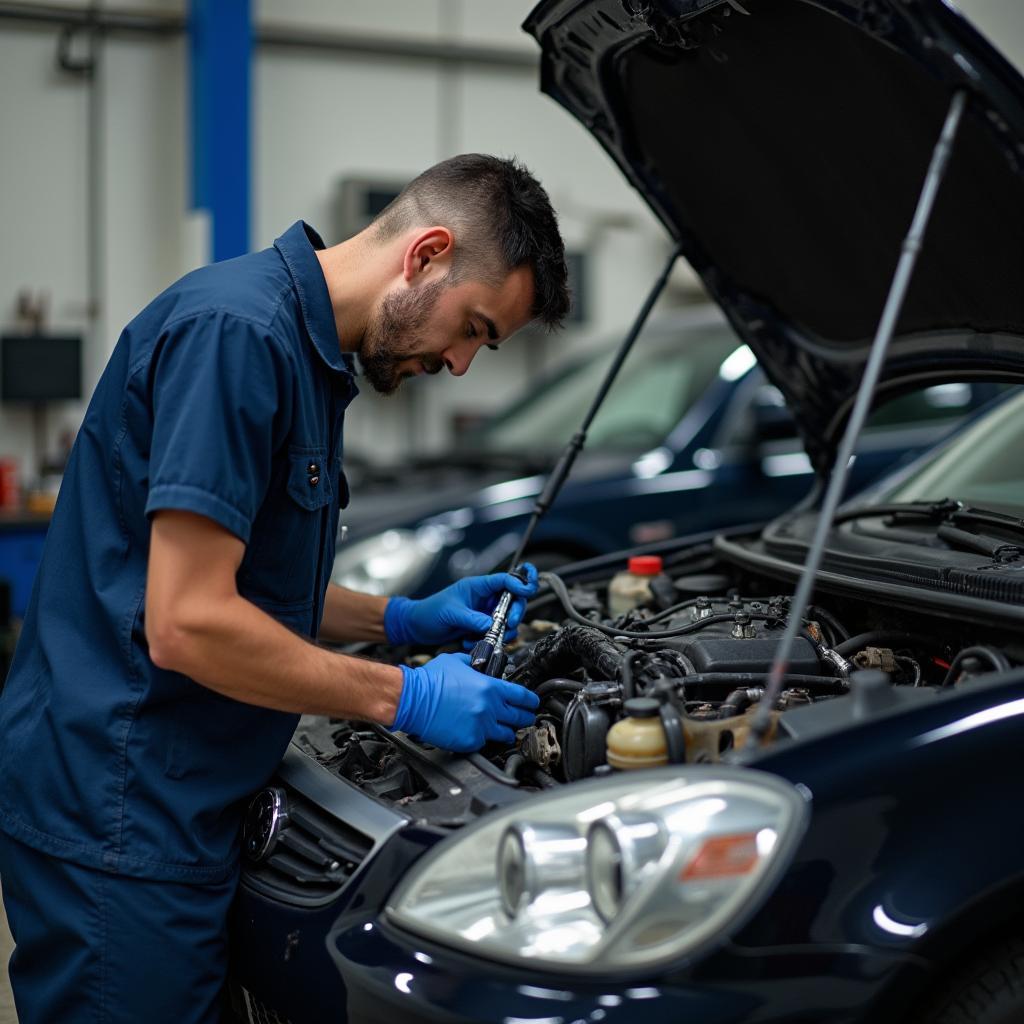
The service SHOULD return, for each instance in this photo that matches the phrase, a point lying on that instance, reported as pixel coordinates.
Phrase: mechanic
(169, 645)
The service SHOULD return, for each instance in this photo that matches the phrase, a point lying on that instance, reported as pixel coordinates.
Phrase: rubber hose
(880, 637)
(626, 675)
(839, 633)
(995, 658)
(479, 761)
(542, 778)
(737, 701)
(558, 686)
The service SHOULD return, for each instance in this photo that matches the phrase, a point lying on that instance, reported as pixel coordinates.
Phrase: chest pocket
(280, 567)
(309, 482)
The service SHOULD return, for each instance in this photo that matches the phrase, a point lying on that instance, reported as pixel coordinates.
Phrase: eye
(470, 330)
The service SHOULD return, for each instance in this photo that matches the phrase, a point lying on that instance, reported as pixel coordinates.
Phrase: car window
(981, 466)
(762, 418)
(939, 403)
(757, 416)
(658, 383)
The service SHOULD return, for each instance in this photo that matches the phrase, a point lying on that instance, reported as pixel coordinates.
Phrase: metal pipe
(482, 57)
(129, 21)
(106, 21)
(565, 462)
(876, 360)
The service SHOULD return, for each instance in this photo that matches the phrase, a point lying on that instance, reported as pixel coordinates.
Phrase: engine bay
(675, 678)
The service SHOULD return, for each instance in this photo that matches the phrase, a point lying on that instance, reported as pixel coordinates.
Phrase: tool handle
(481, 654)
(497, 662)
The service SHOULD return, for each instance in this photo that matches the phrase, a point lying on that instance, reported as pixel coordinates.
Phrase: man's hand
(452, 706)
(458, 612)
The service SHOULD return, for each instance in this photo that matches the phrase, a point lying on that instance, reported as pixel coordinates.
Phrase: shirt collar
(297, 247)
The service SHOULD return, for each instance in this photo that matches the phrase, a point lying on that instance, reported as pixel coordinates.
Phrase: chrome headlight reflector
(614, 873)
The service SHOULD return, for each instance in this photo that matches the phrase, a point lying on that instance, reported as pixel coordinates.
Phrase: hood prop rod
(879, 348)
(579, 439)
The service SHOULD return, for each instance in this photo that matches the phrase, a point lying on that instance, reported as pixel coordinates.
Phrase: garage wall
(42, 199)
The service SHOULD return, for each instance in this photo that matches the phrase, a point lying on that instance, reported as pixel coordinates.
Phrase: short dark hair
(502, 219)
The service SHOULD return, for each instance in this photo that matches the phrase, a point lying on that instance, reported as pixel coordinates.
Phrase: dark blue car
(678, 838)
(691, 438)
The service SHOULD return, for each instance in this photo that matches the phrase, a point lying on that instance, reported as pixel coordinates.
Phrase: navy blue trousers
(96, 948)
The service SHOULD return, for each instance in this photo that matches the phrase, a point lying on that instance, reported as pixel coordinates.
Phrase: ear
(428, 247)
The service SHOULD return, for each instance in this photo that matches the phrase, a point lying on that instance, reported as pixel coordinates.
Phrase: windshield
(662, 377)
(983, 466)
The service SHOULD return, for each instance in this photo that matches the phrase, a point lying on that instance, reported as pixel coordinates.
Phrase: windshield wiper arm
(996, 549)
(950, 516)
(986, 517)
(934, 510)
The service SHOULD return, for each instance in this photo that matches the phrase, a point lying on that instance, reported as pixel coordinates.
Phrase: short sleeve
(219, 386)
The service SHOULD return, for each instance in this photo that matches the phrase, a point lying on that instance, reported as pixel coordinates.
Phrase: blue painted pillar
(220, 38)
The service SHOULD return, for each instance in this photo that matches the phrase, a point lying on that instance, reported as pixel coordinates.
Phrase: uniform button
(313, 481)
(313, 468)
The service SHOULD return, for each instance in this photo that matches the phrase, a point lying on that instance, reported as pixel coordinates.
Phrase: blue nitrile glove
(462, 610)
(452, 706)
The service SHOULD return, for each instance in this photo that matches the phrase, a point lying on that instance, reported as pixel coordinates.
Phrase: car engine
(675, 679)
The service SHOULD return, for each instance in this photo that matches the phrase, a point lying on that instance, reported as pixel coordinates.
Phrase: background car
(690, 438)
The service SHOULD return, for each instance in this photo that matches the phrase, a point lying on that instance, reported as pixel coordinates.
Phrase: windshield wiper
(987, 517)
(996, 549)
(933, 510)
(950, 516)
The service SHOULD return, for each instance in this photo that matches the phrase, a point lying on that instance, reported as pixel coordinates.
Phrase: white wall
(42, 198)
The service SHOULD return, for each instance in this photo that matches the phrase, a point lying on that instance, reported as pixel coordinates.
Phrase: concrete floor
(7, 1014)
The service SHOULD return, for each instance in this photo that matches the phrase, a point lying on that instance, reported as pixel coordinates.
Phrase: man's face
(428, 326)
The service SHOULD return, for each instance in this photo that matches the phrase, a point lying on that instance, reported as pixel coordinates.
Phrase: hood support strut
(879, 348)
(579, 439)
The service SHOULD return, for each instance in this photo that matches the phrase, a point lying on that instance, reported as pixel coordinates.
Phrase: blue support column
(220, 37)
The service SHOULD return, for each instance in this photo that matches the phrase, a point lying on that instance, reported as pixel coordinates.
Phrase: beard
(401, 315)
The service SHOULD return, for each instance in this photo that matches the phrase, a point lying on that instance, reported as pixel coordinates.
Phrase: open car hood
(783, 144)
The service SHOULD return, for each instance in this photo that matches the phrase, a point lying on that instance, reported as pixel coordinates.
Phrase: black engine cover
(727, 654)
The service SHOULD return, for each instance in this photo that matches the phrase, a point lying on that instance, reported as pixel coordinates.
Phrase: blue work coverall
(122, 784)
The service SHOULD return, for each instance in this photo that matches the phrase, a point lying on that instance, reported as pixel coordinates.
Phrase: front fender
(913, 846)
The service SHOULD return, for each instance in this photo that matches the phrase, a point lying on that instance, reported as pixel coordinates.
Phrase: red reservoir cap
(645, 565)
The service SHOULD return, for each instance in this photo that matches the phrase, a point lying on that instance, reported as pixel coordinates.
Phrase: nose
(458, 358)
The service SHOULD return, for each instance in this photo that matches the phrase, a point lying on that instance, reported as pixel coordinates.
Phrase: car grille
(314, 856)
(252, 1010)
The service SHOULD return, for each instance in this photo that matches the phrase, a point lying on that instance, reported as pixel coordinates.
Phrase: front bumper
(390, 976)
(343, 960)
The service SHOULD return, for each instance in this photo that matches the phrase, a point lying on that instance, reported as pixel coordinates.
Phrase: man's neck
(355, 277)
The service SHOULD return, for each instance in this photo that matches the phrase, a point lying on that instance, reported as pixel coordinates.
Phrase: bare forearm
(238, 650)
(350, 616)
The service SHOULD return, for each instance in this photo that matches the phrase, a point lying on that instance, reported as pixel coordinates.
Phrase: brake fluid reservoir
(638, 740)
(632, 588)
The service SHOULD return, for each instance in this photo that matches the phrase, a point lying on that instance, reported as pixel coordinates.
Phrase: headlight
(621, 873)
(392, 562)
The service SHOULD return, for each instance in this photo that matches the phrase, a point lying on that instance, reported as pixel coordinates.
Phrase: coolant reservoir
(632, 588)
(638, 740)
